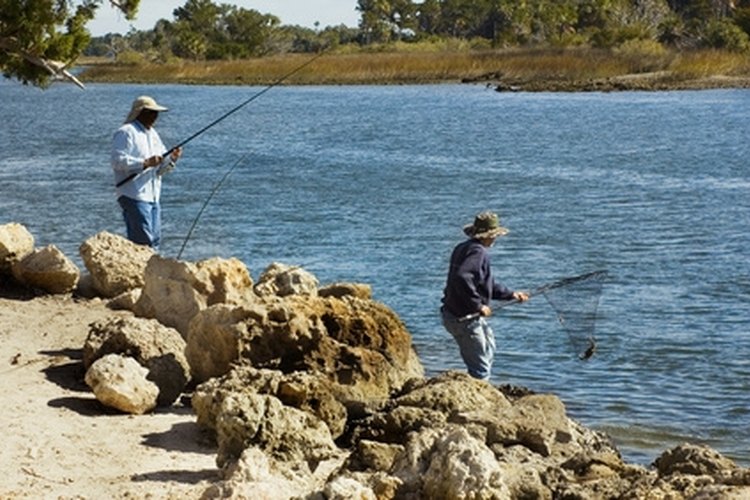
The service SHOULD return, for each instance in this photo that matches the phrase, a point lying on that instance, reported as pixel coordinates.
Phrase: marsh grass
(431, 64)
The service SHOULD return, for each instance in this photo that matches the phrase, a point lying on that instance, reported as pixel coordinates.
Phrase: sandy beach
(60, 441)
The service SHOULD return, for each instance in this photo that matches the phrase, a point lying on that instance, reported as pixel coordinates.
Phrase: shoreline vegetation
(638, 67)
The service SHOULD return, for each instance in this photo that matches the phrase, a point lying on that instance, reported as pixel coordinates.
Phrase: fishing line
(575, 301)
(205, 203)
(232, 111)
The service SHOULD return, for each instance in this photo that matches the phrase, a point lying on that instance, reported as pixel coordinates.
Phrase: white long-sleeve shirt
(132, 144)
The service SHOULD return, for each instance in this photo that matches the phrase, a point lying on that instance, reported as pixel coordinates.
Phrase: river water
(374, 183)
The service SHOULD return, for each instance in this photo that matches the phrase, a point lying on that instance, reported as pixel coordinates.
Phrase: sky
(296, 12)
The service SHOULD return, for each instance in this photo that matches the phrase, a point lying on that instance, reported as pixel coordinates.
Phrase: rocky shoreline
(314, 391)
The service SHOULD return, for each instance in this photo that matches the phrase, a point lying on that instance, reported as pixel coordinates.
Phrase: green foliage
(723, 34)
(38, 39)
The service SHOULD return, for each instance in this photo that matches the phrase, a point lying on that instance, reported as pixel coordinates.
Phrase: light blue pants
(142, 221)
(475, 340)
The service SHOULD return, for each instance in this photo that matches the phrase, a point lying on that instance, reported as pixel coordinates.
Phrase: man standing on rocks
(138, 162)
(468, 291)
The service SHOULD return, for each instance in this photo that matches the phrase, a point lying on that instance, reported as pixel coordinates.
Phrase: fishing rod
(231, 111)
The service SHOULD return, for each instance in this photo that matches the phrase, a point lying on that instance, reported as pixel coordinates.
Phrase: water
(373, 184)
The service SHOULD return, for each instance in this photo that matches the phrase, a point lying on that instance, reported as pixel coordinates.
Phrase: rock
(218, 335)
(48, 269)
(156, 347)
(258, 476)
(15, 243)
(340, 290)
(120, 382)
(692, 459)
(175, 291)
(360, 345)
(125, 301)
(282, 280)
(448, 463)
(429, 403)
(284, 433)
(115, 264)
(308, 392)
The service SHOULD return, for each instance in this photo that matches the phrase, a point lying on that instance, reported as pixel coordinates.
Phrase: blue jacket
(470, 284)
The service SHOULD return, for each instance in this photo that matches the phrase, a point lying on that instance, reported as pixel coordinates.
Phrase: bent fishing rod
(231, 111)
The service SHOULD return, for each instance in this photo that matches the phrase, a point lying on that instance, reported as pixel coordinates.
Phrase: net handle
(540, 290)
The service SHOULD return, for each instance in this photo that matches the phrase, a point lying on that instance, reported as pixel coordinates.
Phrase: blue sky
(300, 12)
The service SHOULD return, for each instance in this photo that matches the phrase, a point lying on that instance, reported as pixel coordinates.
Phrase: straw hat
(486, 225)
(141, 103)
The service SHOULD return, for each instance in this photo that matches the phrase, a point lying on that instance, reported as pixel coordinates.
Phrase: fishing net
(575, 301)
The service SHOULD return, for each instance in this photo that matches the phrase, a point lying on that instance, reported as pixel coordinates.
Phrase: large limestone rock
(284, 433)
(160, 349)
(218, 336)
(48, 269)
(692, 459)
(308, 392)
(120, 382)
(15, 243)
(115, 264)
(259, 476)
(175, 291)
(360, 345)
(449, 463)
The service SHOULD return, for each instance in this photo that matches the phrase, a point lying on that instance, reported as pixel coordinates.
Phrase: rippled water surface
(373, 184)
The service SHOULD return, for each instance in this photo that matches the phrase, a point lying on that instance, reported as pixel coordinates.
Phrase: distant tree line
(202, 29)
(600, 23)
(40, 40)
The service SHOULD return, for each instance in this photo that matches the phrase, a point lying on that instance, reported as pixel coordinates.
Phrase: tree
(40, 39)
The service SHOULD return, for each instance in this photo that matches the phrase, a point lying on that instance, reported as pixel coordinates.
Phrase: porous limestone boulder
(217, 337)
(159, 349)
(515, 445)
(257, 475)
(308, 392)
(15, 243)
(284, 433)
(360, 345)
(120, 382)
(283, 280)
(175, 291)
(692, 459)
(115, 263)
(449, 462)
(48, 269)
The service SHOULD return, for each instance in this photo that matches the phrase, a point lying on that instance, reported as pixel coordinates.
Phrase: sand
(59, 441)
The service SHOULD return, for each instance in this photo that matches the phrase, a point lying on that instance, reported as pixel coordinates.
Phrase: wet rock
(692, 459)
